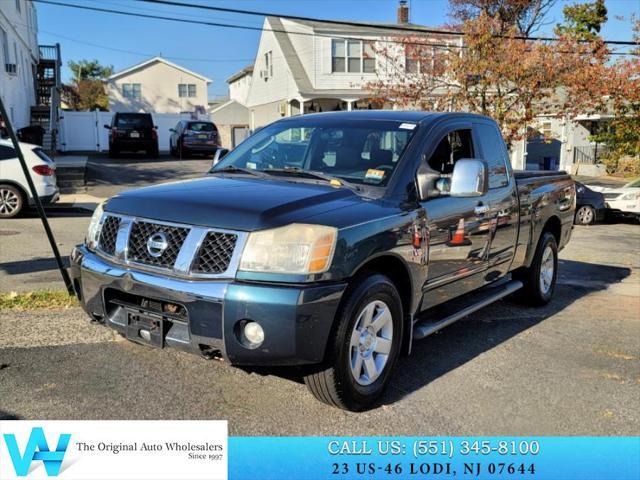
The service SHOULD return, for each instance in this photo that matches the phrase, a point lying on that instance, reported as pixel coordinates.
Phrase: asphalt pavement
(570, 368)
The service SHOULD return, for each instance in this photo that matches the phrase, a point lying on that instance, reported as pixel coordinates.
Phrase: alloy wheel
(9, 201)
(547, 269)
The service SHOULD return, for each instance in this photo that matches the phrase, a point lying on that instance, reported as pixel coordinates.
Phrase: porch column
(349, 105)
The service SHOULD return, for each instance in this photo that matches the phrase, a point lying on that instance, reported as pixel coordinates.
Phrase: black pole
(36, 199)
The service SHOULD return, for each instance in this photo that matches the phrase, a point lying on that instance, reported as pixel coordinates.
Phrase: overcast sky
(217, 52)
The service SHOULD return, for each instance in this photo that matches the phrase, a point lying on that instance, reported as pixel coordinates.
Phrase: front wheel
(585, 215)
(11, 201)
(364, 347)
(539, 279)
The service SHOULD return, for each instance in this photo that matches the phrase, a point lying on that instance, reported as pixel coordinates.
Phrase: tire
(182, 152)
(113, 153)
(153, 152)
(172, 151)
(11, 201)
(353, 348)
(585, 215)
(538, 291)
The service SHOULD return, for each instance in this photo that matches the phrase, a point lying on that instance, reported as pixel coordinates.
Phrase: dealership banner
(202, 450)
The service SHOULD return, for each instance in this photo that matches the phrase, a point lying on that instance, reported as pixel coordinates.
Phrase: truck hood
(234, 203)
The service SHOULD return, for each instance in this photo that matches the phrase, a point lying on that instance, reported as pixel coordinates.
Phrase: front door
(458, 227)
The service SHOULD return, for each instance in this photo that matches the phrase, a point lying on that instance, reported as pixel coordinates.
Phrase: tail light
(114, 133)
(44, 170)
(154, 134)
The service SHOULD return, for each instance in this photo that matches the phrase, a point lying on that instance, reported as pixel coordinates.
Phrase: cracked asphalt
(570, 368)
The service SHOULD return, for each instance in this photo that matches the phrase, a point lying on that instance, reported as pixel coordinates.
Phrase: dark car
(327, 242)
(590, 206)
(132, 132)
(190, 136)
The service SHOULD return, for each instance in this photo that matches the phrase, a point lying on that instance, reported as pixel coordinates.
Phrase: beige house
(158, 86)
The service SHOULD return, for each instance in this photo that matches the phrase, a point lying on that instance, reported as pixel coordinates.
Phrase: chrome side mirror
(469, 179)
(219, 155)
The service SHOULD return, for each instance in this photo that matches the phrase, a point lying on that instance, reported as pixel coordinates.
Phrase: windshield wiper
(299, 172)
(232, 169)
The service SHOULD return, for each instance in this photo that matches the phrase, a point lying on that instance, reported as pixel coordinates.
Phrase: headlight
(296, 248)
(94, 227)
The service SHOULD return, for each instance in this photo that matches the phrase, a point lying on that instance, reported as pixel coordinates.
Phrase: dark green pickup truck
(324, 242)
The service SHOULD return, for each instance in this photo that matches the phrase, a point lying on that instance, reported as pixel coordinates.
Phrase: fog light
(254, 333)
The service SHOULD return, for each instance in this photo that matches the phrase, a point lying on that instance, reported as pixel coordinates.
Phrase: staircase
(47, 85)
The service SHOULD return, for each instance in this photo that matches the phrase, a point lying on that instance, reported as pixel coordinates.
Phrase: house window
(132, 91)
(352, 56)
(186, 90)
(338, 57)
(419, 59)
(5, 46)
(268, 65)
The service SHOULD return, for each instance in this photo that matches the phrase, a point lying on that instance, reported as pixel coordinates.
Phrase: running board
(426, 328)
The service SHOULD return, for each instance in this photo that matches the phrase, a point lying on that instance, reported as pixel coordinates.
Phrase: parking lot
(570, 368)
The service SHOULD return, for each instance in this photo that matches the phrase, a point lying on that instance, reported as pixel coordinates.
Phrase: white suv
(14, 191)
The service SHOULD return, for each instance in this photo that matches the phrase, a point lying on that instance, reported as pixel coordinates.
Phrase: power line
(262, 29)
(396, 28)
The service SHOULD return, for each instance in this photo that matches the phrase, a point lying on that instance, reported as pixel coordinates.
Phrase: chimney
(403, 12)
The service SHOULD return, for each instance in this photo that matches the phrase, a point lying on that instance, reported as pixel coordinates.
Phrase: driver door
(457, 226)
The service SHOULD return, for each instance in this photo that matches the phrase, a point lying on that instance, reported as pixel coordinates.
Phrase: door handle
(481, 209)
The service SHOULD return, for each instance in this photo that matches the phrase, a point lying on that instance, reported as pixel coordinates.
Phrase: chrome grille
(140, 234)
(108, 235)
(215, 253)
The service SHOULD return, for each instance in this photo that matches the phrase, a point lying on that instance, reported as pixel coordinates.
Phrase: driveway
(570, 368)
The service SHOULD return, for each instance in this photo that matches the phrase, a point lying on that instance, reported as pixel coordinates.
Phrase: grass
(43, 299)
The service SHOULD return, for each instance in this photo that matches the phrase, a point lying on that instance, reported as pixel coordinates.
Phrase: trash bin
(31, 134)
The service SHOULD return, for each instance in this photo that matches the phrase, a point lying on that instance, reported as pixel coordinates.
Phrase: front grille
(215, 253)
(611, 196)
(108, 235)
(140, 234)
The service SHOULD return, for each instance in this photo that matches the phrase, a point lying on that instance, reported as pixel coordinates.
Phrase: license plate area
(146, 328)
(134, 135)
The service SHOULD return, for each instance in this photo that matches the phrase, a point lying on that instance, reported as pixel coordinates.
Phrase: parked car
(623, 200)
(14, 190)
(189, 137)
(132, 132)
(590, 206)
(325, 241)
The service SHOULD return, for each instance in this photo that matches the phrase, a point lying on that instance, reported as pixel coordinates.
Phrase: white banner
(113, 450)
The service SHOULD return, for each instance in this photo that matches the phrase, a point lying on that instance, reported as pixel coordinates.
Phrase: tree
(583, 21)
(494, 72)
(87, 91)
(526, 15)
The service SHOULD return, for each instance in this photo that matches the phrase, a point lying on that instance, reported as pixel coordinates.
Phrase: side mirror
(469, 179)
(172, 130)
(108, 127)
(219, 155)
(426, 179)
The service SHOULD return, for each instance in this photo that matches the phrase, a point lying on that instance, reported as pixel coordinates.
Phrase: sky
(217, 52)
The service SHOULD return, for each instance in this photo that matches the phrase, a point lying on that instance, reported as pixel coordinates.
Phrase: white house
(19, 57)
(158, 86)
(239, 85)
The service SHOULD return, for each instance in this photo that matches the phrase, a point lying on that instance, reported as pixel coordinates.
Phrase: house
(239, 85)
(313, 66)
(19, 57)
(157, 86)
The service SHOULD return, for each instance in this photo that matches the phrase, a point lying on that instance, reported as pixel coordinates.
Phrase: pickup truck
(329, 243)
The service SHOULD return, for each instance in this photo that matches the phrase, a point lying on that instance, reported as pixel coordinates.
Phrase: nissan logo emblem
(157, 244)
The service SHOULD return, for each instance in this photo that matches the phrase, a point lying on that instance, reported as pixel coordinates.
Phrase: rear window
(201, 127)
(134, 121)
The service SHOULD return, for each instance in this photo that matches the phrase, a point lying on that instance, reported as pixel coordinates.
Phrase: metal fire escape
(48, 86)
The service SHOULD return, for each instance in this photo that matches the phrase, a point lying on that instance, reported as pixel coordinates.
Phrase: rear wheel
(113, 153)
(153, 152)
(539, 279)
(585, 215)
(11, 201)
(364, 347)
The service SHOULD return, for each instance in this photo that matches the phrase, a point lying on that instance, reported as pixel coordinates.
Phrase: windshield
(364, 152)
(133, 121)
(201, 127)
(633, 184)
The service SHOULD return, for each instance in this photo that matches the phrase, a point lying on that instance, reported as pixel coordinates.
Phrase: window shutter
(325, 53)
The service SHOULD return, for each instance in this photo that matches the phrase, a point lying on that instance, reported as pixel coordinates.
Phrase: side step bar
(426, 328)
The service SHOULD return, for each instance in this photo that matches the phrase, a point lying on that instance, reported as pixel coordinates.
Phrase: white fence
(84, 131)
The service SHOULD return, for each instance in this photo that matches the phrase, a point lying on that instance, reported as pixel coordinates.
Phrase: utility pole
(25, 169)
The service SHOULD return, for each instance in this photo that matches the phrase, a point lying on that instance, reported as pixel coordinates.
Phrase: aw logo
(37, 449)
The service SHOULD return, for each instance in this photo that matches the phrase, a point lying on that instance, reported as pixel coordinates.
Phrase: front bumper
(297, 319)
